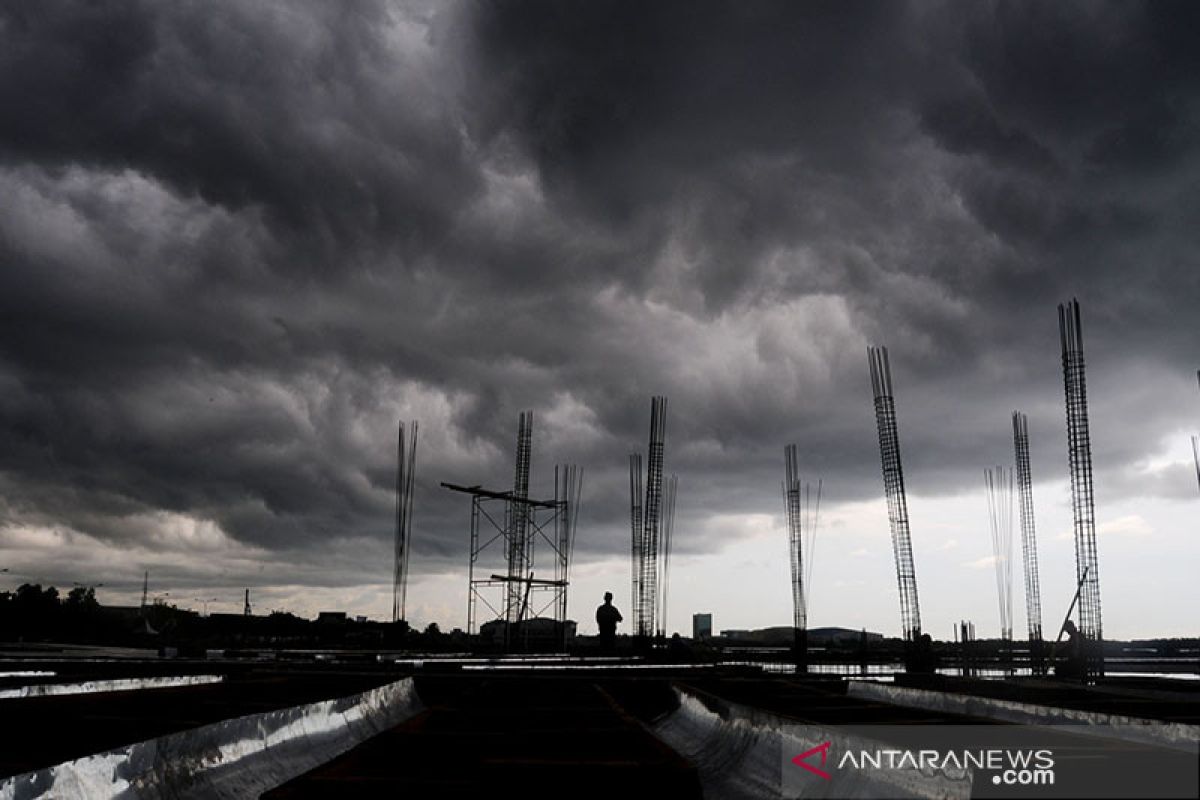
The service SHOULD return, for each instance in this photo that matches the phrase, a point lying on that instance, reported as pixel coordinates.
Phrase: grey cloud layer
(239, 241)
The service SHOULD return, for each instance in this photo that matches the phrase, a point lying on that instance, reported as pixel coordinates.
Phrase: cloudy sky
(240, 240)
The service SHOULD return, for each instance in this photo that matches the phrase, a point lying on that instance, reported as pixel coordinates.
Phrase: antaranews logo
(802, 759)
(1011, 761)
(1009, 767)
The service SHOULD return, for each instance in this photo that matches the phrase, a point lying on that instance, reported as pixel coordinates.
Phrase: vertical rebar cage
(999, 485)
(802, 518)
(1079, 453)
(1029, 556)
(893, 484)
(647, 522)
(791, 499)
(406, 460)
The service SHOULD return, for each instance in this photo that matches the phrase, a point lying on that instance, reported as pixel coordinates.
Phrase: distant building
(782, 635)
(701, 626)
(331, 617)
(841, 635)
(539, 633)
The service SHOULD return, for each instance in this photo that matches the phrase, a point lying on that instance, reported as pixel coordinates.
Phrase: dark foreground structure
(536, 727)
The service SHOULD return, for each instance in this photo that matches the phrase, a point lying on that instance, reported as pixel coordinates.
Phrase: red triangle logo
(823, 749)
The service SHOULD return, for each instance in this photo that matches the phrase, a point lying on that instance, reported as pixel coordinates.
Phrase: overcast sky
(240, 240)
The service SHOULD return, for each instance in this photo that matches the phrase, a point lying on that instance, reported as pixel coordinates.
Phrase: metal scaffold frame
(406, 469)
(515, 535)
(1029, 555)
(1079, 454)
(893, 484)
(557, 531)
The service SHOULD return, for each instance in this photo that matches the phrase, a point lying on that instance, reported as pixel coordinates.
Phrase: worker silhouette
(1074, 665)
(607, 618)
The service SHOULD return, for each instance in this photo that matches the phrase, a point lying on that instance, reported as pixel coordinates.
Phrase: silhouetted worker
(607, 618)
(1073, 665)
(923, 657)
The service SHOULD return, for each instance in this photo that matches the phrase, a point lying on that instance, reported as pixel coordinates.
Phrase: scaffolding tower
(1029, 556)
(1079, 453)
(893, 484)
(406, 464)
(802, 518)
(647, 524)
(516, 594)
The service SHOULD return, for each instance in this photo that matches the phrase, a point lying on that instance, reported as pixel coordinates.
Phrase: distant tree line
(34, 614)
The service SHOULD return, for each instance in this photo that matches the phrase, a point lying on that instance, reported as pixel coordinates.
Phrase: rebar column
(518, 525)
(568, 481)
(1079, 454)
(647, 603)
(999, 484)
(1196, 443)
(670, 488)
(795, 523)
(635, 523)
(893, 484)
(406, 460)
(1029, 555)
(1196, 457)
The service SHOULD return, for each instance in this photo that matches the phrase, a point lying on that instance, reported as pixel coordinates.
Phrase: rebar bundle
(1196, 456)
(1196, 443)
(647, 523)
(519, 541)
(802, 519)
(406, 460)
(668, 526)
(1079, 452)
(1029, 556)
(893, 484)
(635, 523)
(999, 482)
(568, 485)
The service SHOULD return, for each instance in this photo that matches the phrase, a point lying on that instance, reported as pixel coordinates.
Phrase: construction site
(522, 706)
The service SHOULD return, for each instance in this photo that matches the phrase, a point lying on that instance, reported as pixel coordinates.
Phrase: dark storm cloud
(240, 240)
(293, 109)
